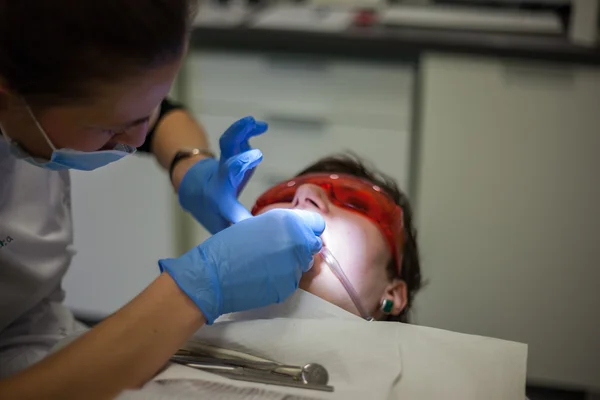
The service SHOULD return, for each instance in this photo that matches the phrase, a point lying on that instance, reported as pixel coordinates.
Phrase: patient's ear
(396, 291)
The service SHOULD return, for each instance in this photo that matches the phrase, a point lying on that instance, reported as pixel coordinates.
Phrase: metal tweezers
(245, 367)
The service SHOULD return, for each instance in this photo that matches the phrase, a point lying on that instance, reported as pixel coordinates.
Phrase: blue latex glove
(252, 264)
(209, 189)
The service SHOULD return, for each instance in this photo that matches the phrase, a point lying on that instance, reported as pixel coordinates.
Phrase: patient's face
(356, 243)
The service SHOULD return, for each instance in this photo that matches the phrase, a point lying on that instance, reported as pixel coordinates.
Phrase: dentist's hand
(209, 189)
(252, 264)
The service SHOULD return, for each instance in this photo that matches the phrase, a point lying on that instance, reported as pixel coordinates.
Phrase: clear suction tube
(334, 266)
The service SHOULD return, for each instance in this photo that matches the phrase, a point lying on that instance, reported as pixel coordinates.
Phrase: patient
(369, 231)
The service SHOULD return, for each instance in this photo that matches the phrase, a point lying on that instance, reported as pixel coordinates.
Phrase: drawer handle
(311, 125)
(297, 64)
(534, 74)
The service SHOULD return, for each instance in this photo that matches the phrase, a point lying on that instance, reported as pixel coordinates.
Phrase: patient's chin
(322, 283)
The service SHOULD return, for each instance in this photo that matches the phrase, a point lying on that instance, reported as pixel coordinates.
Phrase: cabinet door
(507, 208)
(123, 221)
(323, 83)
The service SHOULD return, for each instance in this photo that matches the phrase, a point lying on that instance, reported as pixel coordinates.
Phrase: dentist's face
(116, 113)
(357, 244)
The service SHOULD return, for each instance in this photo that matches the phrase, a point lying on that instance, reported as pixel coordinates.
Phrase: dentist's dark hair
(55, 49)
(410, 271)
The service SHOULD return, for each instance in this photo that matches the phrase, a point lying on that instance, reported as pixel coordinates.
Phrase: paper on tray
(365, 363)
(197, 389)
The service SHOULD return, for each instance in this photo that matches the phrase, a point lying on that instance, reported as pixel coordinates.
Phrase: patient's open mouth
(316, 268)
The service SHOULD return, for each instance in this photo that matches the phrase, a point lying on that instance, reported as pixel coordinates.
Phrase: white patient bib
(35, 234)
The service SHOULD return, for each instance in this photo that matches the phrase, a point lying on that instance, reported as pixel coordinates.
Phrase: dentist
(81, 85)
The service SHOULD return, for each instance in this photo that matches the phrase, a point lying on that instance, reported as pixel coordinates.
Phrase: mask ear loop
(4, 135)
(4, 91)
(37, 124)
(339, 273)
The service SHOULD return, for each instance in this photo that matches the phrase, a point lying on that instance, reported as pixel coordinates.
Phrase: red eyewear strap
(351, 193)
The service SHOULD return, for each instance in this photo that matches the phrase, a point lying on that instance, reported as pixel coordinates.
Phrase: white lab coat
(35, 238)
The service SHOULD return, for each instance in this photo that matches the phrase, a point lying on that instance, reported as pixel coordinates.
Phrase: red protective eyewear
(351, 193)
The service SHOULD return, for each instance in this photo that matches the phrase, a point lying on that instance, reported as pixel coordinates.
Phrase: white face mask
(68, 158)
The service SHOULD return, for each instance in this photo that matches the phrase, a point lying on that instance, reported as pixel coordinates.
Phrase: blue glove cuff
(190, 190)
(200, 284)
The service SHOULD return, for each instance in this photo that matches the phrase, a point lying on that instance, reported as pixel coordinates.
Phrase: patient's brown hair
(410, 271)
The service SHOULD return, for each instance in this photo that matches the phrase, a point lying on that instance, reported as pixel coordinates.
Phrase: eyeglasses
(353, 194)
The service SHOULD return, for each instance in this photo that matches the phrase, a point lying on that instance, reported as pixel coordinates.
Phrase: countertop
(394, 43)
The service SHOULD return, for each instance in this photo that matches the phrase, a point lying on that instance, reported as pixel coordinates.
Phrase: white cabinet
(314, 106)
(509, 190)
(321, 84)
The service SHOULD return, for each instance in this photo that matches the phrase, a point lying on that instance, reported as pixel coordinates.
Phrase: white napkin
(439, 364)
(374, 360)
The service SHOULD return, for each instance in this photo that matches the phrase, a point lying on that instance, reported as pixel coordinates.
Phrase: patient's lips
(316, 269)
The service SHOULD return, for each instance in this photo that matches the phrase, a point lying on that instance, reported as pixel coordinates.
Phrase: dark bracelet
(187, 153)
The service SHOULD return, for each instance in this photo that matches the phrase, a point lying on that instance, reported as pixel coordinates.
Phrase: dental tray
(241, 366)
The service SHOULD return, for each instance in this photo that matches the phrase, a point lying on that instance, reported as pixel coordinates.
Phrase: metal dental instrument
(242, 374)
(243, 366)
(312, 373)
(337, 270)
(258, 376)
